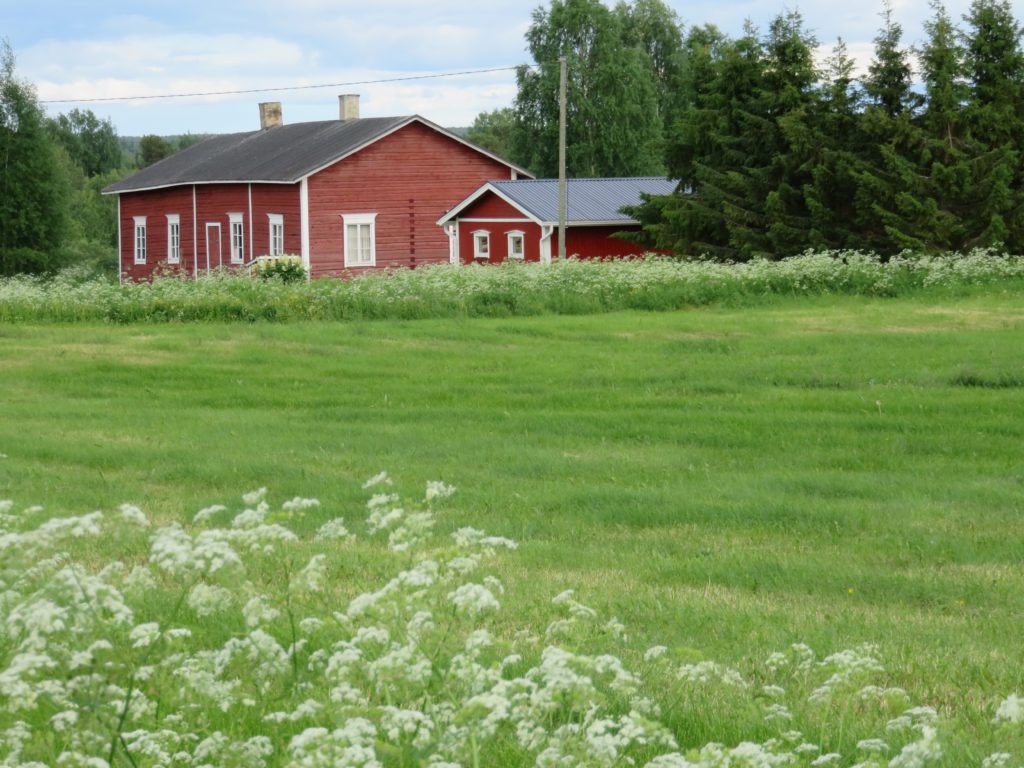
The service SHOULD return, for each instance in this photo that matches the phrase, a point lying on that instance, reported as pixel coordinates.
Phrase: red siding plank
(409, 179)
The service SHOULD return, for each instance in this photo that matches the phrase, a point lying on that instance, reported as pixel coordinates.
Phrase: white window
(481, 244)
(516, 245)
(276, 233)
(237, 238)
(140, 239)
(173, 238)
(360, 239)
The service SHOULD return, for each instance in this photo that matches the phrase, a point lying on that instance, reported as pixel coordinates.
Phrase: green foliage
(568, 287)
(287, 269)
(614, 128)
(494, 131)
(153, 149)
(32, 190)
(90, 142)
(775, 156)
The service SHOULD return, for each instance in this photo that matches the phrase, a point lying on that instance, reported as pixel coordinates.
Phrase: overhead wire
(285, 88)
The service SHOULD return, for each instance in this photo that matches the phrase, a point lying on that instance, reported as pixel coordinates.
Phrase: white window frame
(517, 234)
(140, 239)
(173, 238)
(236, 222)
(352, 250)
(482, 236)
(276, 239)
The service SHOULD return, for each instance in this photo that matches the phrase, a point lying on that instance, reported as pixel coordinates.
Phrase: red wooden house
(347, 195)
(519, 219)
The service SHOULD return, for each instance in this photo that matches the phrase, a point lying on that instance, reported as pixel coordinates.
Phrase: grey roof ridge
(239, 139)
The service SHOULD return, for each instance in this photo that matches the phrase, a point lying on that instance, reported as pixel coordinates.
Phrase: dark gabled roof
(590, 200)
(283, 154)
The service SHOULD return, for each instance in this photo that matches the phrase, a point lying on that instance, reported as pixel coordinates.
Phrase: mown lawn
(830, 471)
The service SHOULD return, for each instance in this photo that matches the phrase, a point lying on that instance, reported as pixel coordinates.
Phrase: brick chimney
(348, 106)
(270, 114)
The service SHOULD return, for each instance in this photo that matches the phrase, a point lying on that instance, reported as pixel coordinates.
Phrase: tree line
(775, 152)
(51, 174)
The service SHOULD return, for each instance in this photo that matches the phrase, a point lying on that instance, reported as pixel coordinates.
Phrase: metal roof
(590, 200)
(283, 154)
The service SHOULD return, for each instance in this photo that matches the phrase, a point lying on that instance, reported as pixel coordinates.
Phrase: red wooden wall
(580, 241)
(213, 203)
(409, 179)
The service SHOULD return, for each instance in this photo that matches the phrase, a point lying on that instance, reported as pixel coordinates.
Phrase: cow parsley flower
(437, 490)
(255, 497)
(333, 530)
(473, 599)
(1011, 710)
(132, 514)
(209, 600)
(207, 512)
(144, 635)
(298, 504)
(997, 760)
(379, 478)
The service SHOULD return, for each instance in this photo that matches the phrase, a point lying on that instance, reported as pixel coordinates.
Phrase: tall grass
(570, 287)
(228, 643)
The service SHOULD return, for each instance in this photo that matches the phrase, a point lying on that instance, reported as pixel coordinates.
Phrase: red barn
(519, 219)
(348, 195)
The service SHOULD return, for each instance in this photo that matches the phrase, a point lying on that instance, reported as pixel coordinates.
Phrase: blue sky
(95, 48)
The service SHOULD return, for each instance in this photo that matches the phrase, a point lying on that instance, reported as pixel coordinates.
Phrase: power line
(284, 88)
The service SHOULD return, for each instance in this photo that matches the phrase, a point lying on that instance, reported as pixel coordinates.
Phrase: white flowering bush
(571, 286)
(221, 645)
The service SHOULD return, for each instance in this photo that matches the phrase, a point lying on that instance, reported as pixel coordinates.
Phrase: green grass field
(725, 481)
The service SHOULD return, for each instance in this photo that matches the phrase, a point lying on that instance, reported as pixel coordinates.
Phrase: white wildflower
(132, 514)
(209, 600)
(207, 512)
(144, 635)
(830, 758)
(997, 760)
(258, 611)
(311, 578)
(64, 721)
(437, 490)
(255, 497)
(298, 504)
(380, 499)
(1010, 710)
(380, 477)
(140, 578)
(473, 599)
(655, 652)
(332, 530)
(875, 746)
(919, 753)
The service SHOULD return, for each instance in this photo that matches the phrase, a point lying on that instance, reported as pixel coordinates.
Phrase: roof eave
(488, 187)
(108, 191)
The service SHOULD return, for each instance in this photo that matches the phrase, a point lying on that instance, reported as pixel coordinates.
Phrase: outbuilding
(518, 219)
(347, 195)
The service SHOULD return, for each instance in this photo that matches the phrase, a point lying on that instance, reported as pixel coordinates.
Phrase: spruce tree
(830, 195)
(994, 116)
(946, 161)
(888, 202)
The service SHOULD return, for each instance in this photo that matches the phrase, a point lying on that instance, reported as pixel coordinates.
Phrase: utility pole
(563, 189)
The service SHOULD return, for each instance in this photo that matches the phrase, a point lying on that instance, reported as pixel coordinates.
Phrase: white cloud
(148, 47)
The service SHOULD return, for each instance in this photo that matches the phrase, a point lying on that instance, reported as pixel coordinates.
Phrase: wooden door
(214, 258)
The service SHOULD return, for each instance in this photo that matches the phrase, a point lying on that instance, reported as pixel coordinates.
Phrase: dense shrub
(570, 287)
